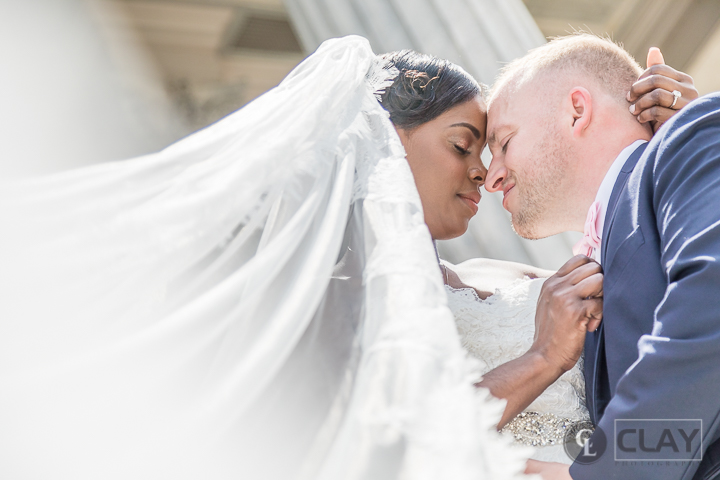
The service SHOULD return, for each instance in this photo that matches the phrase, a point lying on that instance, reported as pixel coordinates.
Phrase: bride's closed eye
(461, 150)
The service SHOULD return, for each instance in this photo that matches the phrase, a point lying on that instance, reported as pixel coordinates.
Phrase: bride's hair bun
(425, 88)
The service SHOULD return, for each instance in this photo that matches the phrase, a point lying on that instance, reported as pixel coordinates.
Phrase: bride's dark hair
(426, 88)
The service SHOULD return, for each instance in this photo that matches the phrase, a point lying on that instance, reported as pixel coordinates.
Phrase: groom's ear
(581, 108)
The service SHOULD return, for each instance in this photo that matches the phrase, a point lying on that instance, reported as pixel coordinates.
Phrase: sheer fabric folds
(260, 300)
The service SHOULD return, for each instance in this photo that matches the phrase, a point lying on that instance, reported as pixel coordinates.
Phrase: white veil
(260, 300)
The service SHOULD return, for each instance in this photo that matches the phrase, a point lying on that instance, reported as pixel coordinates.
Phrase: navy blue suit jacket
(657, 352)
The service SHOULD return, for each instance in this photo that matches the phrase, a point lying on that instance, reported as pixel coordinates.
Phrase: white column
(479, 35)
(73, 90)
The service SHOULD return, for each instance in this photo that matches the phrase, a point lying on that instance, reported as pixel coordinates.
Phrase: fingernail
(628, 96)
(632, 109)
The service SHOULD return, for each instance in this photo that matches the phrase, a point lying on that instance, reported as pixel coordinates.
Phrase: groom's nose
(496, 175)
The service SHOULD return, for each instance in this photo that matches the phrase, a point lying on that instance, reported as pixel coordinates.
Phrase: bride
(263, 300)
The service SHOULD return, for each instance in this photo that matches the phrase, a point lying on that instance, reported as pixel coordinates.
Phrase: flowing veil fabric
(260, 300)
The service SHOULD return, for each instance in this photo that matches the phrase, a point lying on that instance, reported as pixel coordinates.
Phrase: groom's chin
(524, 229)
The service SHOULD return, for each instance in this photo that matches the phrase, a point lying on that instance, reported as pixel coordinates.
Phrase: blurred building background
(95, 80)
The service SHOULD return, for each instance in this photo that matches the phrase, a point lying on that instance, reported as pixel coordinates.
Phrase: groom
(568, 154)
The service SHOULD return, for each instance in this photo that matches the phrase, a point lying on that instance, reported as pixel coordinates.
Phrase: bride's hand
(548, 470)
(569, 306)
(651, 96)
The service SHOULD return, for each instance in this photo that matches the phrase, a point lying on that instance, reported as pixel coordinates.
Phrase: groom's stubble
(543, 188)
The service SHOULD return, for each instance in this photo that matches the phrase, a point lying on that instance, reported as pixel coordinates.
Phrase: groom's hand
(569, 306)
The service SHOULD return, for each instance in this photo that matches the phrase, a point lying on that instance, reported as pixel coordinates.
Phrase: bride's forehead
(469, 111)
(474, 116)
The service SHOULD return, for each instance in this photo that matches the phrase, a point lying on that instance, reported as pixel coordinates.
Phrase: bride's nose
(478, 174)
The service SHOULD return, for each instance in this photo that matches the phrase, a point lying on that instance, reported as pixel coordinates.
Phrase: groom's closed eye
(505, 145)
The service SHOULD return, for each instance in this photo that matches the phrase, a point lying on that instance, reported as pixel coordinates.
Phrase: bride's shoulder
(510, 270)
(489, 274)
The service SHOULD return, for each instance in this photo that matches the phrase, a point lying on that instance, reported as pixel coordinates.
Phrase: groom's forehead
(516, 100)
(504, 106)
(509, 110)
(498, 119)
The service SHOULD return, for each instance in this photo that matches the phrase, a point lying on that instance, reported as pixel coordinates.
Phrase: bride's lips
(471, 200)
(506, 190)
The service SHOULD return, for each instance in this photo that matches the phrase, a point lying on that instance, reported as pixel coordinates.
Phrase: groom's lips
(506, 190)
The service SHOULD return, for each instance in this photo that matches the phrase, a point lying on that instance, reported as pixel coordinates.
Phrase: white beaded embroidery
(539, 429)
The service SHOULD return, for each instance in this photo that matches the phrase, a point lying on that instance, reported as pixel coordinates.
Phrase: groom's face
(530, 161)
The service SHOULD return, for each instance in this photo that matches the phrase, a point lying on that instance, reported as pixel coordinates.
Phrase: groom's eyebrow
(475, 131)
(493, 137)
(492, 140)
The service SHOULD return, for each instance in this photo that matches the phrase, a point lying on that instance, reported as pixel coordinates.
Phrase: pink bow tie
(590, 240)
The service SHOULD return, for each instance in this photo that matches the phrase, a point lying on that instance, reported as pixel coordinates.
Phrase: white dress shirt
(606, 188)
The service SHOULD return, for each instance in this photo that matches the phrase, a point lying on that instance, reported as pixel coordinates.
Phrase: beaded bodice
(500, 329)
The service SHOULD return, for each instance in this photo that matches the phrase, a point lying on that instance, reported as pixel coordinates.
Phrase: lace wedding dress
(501, 328)
(260, 300)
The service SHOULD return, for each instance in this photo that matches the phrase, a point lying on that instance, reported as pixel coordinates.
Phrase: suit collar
(605, 190)
(622, 178)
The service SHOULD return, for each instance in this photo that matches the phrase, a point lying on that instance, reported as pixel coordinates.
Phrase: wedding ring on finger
(676, 94)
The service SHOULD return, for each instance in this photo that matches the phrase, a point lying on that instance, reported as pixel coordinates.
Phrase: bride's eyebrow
(474, 130)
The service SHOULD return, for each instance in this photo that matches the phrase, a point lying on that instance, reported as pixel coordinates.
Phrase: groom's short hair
(613, 68)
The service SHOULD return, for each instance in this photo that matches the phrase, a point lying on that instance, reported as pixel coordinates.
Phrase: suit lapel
(597, 404)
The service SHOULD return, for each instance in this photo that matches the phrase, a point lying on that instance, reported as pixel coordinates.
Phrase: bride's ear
(581, 109)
